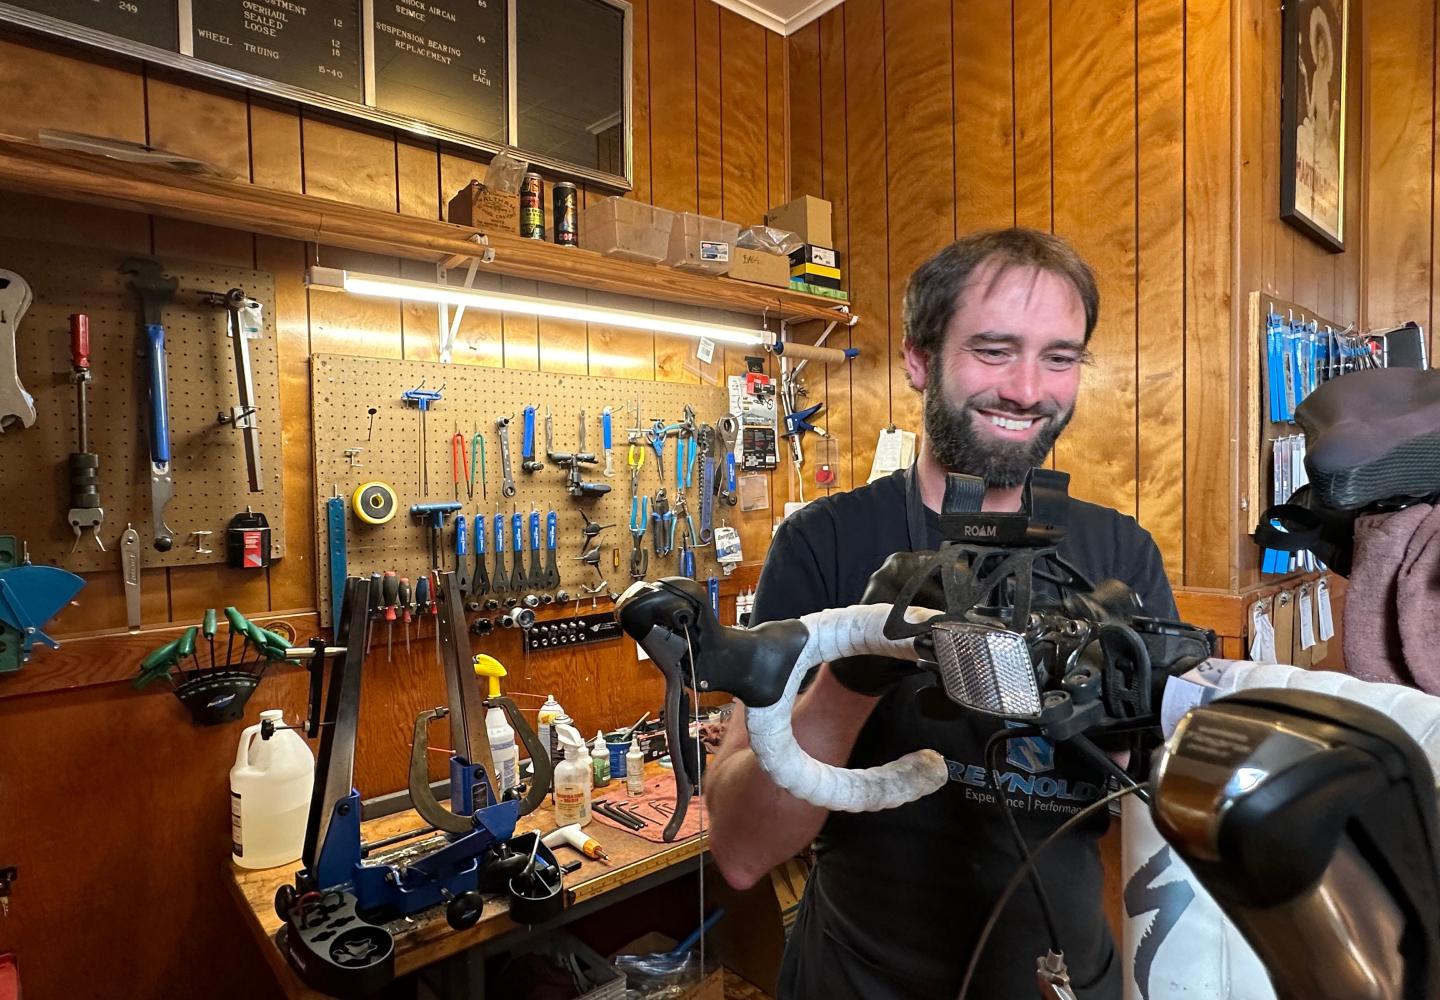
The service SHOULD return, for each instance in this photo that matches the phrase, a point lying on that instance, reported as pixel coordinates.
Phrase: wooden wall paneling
(708, 83)
(457, 170)
(563, 347)
(1096, 200)
(1211, 530)
(275, 160)
(1277, 252)
(1401, 211)
(673, 151)
(777, 102)
(292, 579)
(163, 810)
(671, 354)
(47, 85)
(1352, 266)
(616, 352)
(481, 337)
(350, 164)
(743, 159)
(194, 120)
(417, 180)
(1160, 277)
(420, 321)
(522, 333)
(834, 189)
(640, 99)
(920, 167)
(868, 271)
(804, 132)
(1034, 192)
(984, 115)
(354, 324)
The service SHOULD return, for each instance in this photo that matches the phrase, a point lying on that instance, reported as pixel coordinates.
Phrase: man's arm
(754, 825)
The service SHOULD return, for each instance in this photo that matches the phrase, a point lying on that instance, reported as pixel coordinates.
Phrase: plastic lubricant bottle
(543, 722)
(635, 770)
(270, 788)
(600, 762)
(572, 779)
(501, 734)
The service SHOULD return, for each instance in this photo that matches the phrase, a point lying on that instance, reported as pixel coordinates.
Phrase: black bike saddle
(1373, 435)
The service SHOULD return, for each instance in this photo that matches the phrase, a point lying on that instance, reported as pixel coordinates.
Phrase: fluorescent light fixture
(336, 279)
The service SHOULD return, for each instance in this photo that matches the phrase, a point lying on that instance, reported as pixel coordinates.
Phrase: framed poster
(1312, 118)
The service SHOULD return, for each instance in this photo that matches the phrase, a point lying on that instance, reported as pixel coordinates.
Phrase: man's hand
(874, 675)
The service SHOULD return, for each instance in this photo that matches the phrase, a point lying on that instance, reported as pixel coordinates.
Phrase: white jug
(270, 787)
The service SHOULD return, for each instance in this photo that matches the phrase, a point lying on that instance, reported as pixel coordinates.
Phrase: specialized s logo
(1169, 901)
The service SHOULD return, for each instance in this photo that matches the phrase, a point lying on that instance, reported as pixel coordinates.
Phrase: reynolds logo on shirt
(1031, 786)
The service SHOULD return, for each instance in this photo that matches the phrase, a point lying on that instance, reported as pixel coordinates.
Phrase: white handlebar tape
(837, 633)
(1414, 711)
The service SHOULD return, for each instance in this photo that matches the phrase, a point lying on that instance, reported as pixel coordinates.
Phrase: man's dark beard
(959, 447)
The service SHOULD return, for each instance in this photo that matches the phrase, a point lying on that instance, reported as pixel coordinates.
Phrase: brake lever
(672, 621)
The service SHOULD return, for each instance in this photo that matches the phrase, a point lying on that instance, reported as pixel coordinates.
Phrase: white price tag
(1322, 604)
(705, 350)
(1307, 618)
(1262, 635)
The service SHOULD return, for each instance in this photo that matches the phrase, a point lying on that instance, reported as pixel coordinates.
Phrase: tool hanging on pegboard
(422, 399)
(244, 322)
(30, 596)
(155, 289)
(85, 514)
(16, 405)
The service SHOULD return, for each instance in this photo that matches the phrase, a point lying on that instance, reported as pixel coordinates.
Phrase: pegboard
(343, 389)
(210, 484)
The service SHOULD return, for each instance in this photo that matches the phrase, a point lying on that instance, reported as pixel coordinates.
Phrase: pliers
(685, 451)
(662, 522)
(655, 436)
(639, 516)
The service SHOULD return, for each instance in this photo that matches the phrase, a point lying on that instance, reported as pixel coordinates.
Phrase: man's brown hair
(934, 289)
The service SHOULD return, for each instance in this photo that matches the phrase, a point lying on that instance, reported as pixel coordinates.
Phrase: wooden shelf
(32, 169)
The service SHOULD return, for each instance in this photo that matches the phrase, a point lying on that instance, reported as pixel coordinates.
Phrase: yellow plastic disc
(375, 503)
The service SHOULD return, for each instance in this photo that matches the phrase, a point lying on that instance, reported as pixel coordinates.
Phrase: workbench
(425, 940)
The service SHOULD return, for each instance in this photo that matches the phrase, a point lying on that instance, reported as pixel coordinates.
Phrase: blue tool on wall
(422, 399)
(30, 596)
(335, 537)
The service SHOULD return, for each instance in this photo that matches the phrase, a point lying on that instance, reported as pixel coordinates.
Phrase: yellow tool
(375, 503)
(488, 666)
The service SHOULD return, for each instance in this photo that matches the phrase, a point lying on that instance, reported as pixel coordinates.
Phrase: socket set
(574, 631)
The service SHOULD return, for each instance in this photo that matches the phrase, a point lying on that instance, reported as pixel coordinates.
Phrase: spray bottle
(498, 730)
(572, 779)
(543, 722)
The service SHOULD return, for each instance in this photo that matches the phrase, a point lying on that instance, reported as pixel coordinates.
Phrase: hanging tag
(1322, 601)
(1307, 618)
(705, 350)
(1262, 634)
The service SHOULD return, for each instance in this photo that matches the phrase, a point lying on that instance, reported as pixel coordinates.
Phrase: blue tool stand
(333, 934)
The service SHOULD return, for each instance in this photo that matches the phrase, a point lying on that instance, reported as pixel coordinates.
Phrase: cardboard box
(761, 267)
(806, 217)
(812, 254)
(488, 211)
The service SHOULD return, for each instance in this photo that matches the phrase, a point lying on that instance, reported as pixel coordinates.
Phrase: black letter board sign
(437, 68)
(150, 22)
(314, 44)
(443, 61)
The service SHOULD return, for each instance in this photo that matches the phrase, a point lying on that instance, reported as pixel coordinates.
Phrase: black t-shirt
(897, 898)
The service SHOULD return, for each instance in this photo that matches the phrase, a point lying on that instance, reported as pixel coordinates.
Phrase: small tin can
(566, 218)
(532, 207)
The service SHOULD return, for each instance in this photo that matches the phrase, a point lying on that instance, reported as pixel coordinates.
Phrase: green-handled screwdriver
(208, 631)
